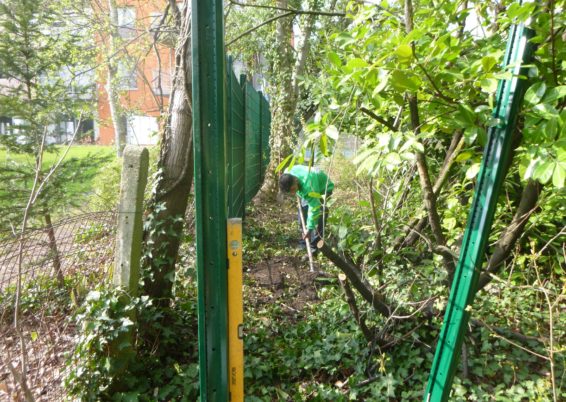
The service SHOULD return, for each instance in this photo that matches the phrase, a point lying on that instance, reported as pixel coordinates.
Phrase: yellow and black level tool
(235, 311)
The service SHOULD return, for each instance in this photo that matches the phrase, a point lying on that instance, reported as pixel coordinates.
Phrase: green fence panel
(265, 132)
(235, 143)
(253, 142)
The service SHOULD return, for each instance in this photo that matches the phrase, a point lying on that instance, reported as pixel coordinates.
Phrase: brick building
(145, 69)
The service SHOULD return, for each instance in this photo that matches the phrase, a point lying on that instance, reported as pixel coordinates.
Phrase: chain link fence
(57, 265)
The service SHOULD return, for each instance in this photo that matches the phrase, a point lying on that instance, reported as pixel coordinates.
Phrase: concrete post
(130, 228)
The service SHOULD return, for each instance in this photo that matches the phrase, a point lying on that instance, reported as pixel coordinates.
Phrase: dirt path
(282, 275)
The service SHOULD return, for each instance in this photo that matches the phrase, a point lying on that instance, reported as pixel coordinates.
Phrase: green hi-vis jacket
(313, 185)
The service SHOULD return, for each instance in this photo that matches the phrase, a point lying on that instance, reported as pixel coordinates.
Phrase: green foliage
(319, 353)
(106, 187)
(372, 66)
(110, 323)
(43, 62)
(44, 295)
(67, 187)
(42, 57)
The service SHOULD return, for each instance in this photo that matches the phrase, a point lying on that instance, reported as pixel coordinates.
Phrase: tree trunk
(54, 250)
(118, 117)
(167, 208)
(410, 235)
(507, 240)
(354, 275)
(283, 103)
(429, 197)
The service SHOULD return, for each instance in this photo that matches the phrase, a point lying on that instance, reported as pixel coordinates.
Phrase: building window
(127, 75)
(155, 18)
(5, 123)
(161, 78)
(127, 22)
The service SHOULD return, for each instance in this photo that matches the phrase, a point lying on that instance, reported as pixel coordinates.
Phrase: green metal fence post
(495, 161)
(210, 196)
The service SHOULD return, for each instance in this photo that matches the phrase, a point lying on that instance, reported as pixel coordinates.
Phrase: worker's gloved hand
(307, 235)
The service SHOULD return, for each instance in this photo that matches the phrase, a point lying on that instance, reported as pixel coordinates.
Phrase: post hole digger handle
(308, 240)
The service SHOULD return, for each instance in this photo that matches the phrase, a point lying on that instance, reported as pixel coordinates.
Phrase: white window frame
(126, 22)
(127, 75)
(166, 81)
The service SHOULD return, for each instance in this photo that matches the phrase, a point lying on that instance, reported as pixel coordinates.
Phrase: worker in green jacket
(314, 188)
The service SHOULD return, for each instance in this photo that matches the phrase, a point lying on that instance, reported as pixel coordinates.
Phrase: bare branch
(285, 12)
(437, 90)
(378, 119)
(376, 299)
(54, 167)
(269, 21)
(351, 300)
(292, 10)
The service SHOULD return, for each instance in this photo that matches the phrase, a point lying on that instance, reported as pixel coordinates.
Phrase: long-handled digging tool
(307, 241)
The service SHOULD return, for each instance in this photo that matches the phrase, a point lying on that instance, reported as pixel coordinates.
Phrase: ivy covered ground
(303, 341)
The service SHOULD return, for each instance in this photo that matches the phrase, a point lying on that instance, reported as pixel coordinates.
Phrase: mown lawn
(76, 151)
(91, 161)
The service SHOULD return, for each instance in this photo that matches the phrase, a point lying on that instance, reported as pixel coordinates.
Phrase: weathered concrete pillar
(130, 210)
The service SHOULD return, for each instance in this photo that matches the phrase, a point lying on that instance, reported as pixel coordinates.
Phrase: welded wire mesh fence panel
(57, 266)
(253, 143)
(235, 144)
(265, 131)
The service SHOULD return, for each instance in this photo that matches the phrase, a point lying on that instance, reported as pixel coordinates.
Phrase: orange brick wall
(140, 101)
